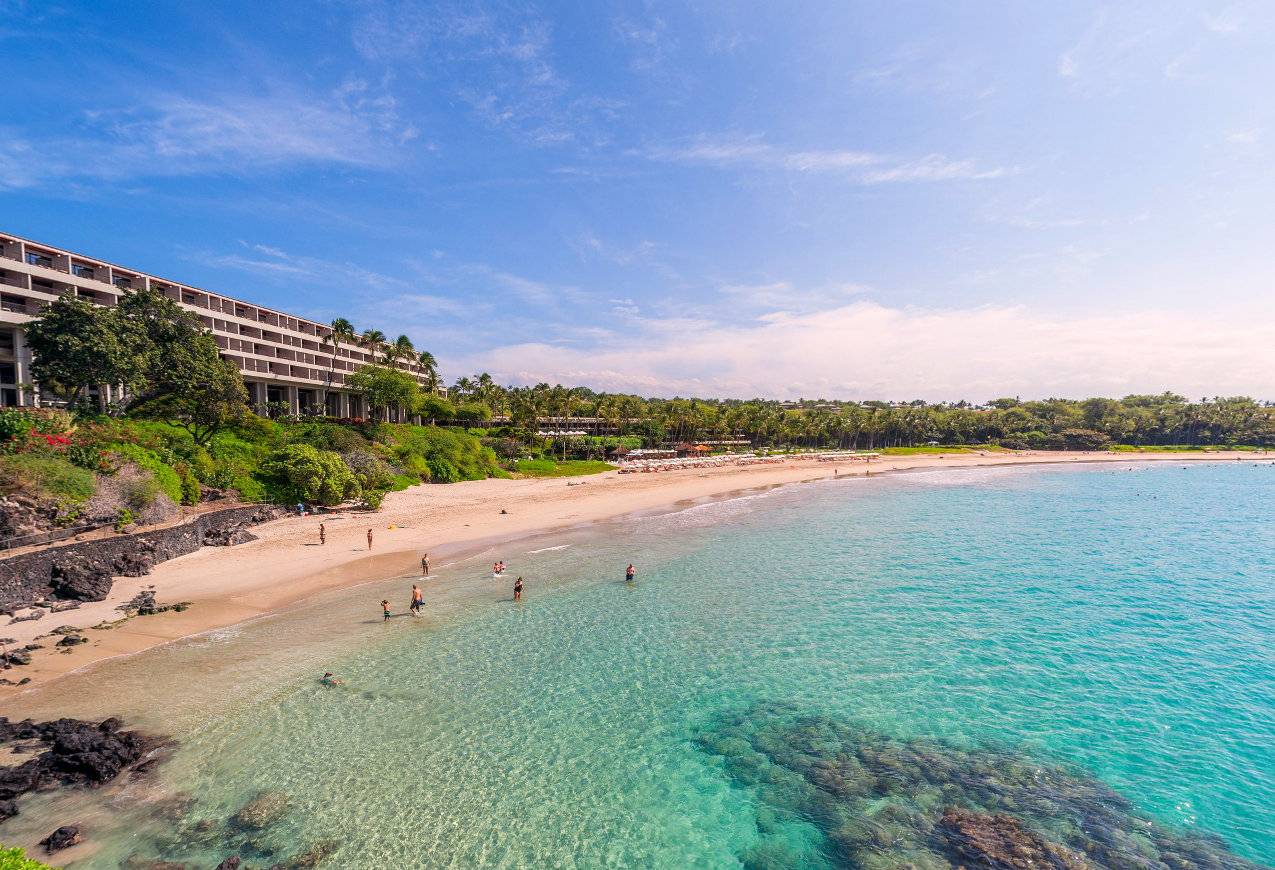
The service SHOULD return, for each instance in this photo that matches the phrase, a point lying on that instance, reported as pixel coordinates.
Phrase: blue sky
(860, 200)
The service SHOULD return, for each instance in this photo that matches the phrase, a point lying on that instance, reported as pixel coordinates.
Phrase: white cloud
(868, 350)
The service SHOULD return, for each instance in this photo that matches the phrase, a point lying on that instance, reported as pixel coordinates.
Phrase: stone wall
(85, 571)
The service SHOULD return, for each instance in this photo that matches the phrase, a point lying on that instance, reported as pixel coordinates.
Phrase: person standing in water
(518, 589)
(629, 573)
(323, 534)
(418, 598)
(425, 565)
(385, 606)
(369, 539)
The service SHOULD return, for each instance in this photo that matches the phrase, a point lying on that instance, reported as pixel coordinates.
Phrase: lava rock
(81, 578)
(78, 753)
(73, 640)
(17, 657)
(231, 863)
(63, 838)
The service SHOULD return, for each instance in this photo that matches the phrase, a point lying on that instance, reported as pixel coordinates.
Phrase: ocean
(820, 675)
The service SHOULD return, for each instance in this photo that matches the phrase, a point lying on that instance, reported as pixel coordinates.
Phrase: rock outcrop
(77, 753)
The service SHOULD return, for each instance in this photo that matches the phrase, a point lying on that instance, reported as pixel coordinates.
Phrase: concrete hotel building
(283, 358)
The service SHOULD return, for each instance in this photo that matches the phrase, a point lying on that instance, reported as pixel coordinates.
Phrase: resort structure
(283, 358)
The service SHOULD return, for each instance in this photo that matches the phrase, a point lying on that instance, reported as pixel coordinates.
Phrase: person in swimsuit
(518, 589)
(369, 539)
(425, 565)
(385, 605)
(323, 534)
(418, 598)
(329, 680)
(629, 573)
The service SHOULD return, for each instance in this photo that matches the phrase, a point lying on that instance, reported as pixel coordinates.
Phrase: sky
(857, 200)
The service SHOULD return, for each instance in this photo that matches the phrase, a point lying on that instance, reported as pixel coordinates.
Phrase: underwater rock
(311, 857)
(880, 802)
(997, 841)
(265, 808)
(231, 863)
(63, 838)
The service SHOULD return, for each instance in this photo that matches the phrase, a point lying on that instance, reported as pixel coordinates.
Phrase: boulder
(16, 657)
(81, 578)
(73, 640)
(231, 863)
(63, 838)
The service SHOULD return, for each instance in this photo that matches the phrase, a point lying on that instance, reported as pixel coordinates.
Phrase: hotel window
(35, 259)
(122, 282)
(82, 271)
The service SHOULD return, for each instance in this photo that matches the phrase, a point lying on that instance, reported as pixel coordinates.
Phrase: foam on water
(1116, 628)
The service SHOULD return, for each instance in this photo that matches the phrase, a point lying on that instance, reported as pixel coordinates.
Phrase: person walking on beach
(425, 565)
(385, 606)
(323, 534)
(369, 539)
(518, 589)
(418, 598)
(629, 573)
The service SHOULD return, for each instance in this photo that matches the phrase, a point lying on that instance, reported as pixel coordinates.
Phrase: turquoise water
(1119, 625)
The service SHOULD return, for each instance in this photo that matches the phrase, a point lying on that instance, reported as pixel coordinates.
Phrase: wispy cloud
(864, 167)
(166, 134)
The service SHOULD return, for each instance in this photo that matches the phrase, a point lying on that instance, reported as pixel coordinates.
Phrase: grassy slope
(551, 468)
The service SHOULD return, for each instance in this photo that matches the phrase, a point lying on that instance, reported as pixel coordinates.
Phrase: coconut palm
(427, 361)
(342, 331)
(400, 349)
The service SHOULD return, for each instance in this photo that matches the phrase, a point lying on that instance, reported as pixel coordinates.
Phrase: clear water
(1121, 623)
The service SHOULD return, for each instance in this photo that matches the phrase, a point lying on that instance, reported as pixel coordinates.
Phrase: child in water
(385, 606)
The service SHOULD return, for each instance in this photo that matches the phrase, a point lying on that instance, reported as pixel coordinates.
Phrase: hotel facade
(283, 358)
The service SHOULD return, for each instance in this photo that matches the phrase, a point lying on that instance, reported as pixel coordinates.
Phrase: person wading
(629, 573)
(518, 589)
(425, 565)
(369, 539)
(418, 598)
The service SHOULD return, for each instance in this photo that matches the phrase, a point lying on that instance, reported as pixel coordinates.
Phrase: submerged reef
(831, 794)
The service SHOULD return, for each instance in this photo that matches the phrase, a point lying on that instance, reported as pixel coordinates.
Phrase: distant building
(283, 357)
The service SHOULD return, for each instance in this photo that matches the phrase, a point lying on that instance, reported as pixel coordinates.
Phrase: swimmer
(518, 589)
(329, 680)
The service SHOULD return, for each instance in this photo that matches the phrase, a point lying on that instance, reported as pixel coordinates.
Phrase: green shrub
(300, 472)
(190, 484)
(15, 859)
(123, 519)
(442, 471)
(46, 476)
(165, 476)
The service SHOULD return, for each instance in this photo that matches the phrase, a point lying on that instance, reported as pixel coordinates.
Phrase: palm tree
(372, 339)
(342, 330)
(427, 361)
(401, 349)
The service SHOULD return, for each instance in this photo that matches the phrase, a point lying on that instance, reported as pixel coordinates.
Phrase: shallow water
(1116, 625)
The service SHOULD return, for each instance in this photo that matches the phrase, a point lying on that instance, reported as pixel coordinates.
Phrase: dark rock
(84, 571)
(81, 578)
(231, 863)
(63, 838)
(30, 617)
(66, 629)
(73, 640)
(77, 753)
(16, 657)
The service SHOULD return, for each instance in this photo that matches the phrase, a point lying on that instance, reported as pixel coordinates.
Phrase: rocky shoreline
(85, 571)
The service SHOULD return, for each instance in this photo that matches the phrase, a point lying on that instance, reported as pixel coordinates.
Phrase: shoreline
(286, 566)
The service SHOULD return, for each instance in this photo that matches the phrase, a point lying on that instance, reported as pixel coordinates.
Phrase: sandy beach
(287, 564)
